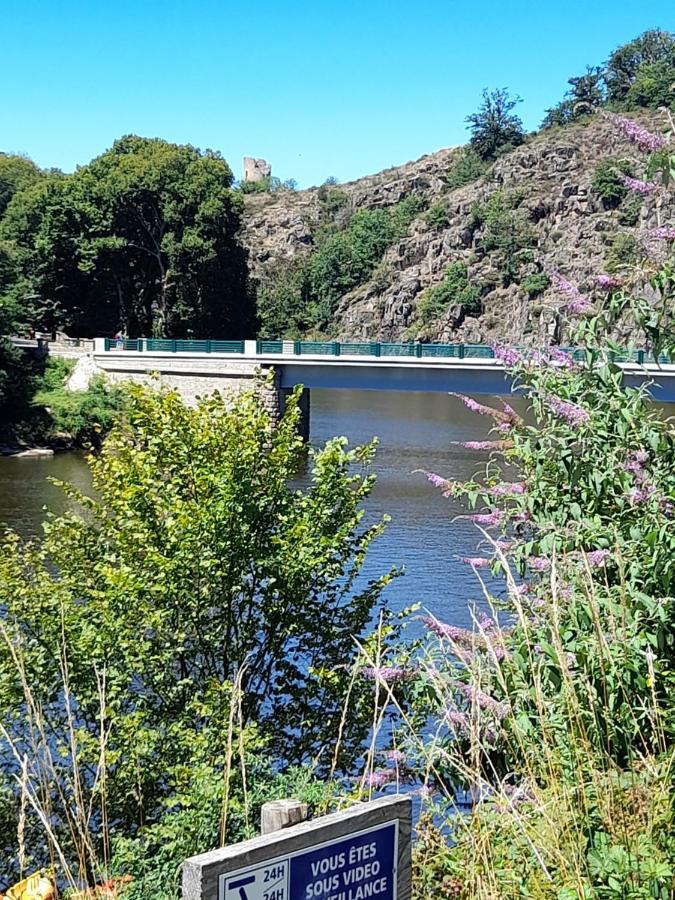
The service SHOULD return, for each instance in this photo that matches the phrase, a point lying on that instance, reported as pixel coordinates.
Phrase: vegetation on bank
(181, 648)
(36, 408)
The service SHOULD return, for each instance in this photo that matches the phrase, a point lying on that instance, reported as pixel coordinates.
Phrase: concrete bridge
(196, 368)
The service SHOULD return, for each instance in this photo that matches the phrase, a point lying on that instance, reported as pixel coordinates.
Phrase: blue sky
(317, 88)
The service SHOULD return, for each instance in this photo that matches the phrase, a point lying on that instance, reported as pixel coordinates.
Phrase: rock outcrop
(547, 182)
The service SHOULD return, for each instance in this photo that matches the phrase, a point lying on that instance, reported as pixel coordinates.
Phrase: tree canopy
(145, 237)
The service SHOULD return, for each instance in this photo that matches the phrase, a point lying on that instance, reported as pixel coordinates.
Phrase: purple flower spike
(496, 517)
(640, 187)
(436, 480)
(664, 233)
(388, 674)
(507, 356)
(379, 778)
(607, 282)
(646, 141)
(576, 304)
(597, 558)
(478, 562)
(395, 756)
(538, 563)
(572, 413)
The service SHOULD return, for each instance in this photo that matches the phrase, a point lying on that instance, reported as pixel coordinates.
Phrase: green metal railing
(353, 348)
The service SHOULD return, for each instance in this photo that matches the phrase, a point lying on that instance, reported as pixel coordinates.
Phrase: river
(416, 431)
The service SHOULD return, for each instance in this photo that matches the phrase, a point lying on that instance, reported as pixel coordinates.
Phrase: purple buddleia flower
(437, 480)
(505, 546)
(645, 140)
(664, 233)
(425, 791)
(522, 516)
(443, 630)
(483, 700)
(561, 359)
(496, 517)
(576, 304)
(379, 778)
(478, 445)
(506, 488)
(572, 413)
(635, 464)
(507, 356)
(597, 558)
(395, 756)
(459, 721)
(478, 562)
(538, 563)
(487, 445)
(607, 282)
(470, 403)
(640, 187)
(388, 674)
(487, 623)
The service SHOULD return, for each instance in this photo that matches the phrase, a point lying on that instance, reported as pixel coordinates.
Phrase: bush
(607, 181)
(284, 307)
(455, 289)
(437, 216)
(623, 251)
(466, 168)
(198, 614)
(505, 234)
(629, 210)
(533, 285)
(495, 129)
(624, 65)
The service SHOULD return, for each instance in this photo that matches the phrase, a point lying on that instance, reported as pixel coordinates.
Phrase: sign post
(361, 853)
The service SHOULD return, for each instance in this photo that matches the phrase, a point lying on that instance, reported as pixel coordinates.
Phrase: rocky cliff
(534, 210)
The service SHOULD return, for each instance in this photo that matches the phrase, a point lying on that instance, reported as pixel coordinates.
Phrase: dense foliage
(555, 712)
(639, 73)
(193, 620)
(144, 238)
(36, 408)
(303, 295)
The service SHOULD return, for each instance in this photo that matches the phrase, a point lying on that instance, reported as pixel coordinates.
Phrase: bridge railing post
(336, 348)
(375, 347)
(461, 351)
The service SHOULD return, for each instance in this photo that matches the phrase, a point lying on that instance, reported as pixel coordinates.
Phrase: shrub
(533, 285)
(495, 129)
(437, 216)
(623, 251)
(505, 234)
(607, 180)
(466, 168)
(199, 612)
(629, 210)
(347, 257)
(455, 289)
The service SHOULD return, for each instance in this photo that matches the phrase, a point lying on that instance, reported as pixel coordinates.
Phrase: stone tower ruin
(256, 169)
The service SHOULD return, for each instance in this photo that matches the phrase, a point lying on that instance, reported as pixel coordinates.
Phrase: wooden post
(278, 814)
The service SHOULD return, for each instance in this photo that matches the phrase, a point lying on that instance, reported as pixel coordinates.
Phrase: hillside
(543, 206)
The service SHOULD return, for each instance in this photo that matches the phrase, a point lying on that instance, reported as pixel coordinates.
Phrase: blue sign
(360, 866)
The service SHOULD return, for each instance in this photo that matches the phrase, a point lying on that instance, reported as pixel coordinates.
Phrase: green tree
(495, 128)
(16, 173)
(145, 236)
(624, 64)
(654, 84)
(199, 565)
